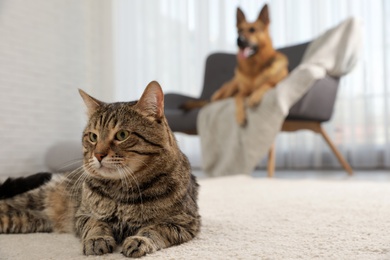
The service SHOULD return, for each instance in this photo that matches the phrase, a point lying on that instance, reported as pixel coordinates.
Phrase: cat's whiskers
(70, 176)
(124, 179)
(75, 186)
(83, 175)
(70, 163)
(138, 160)
(130, 173)
(91, 167)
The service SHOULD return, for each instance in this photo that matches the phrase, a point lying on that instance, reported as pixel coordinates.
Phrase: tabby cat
(135, 188)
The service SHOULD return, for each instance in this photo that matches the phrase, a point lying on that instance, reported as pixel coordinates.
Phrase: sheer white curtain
(168, 41)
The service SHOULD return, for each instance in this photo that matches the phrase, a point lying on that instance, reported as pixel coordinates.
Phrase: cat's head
(122, 138)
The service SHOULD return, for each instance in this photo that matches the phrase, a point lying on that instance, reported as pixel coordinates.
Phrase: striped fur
(135, 188)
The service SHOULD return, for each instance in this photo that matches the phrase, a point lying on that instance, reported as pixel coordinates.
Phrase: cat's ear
(151, 102)
(92, 103)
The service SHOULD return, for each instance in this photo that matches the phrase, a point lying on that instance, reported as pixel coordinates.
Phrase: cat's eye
(122, 135)
(252, 29)
(93, 137)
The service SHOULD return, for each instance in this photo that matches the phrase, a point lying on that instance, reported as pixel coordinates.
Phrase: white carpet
(258, 218)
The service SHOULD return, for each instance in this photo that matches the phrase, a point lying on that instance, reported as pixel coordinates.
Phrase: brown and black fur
(259, 66)
(135, 188)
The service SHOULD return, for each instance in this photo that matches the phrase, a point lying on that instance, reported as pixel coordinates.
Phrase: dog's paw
(193, 104)
(241, 119)
(98, 245)
(137, 246)
(216, 96)
(253, 101)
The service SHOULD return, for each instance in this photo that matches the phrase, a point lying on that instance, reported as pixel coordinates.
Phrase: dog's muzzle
(242, 42)
(246, 48)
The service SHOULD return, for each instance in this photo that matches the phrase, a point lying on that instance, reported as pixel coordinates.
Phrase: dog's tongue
(245, 53)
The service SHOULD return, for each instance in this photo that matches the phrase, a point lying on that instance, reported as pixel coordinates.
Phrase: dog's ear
(264, 15)
(240, 16)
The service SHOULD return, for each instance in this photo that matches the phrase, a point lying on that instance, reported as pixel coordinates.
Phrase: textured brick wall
(45, 55)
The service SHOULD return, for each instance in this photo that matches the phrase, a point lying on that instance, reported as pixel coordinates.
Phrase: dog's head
(252, 36)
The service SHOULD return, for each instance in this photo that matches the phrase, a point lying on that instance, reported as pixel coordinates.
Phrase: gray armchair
(314, 108)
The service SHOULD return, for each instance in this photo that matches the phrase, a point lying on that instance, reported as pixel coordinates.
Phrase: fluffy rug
(253, 218)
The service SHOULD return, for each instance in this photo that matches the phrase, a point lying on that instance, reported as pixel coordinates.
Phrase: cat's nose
(100, 156)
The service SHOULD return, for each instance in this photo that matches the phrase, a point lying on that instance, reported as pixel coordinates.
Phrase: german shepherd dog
(259, 66)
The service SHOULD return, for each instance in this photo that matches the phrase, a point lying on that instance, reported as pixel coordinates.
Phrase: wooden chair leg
(271, 161)
(339, 156)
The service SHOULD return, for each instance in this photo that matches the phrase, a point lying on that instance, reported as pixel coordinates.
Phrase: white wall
(48, 49)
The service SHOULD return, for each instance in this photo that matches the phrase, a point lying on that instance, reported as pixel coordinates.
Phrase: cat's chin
(105, 172)
(108, 172)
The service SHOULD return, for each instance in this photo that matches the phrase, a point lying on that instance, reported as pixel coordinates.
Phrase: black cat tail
(15, 186)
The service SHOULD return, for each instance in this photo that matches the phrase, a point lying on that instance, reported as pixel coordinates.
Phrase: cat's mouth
(114, 168)
(103, 169)
(105, 172)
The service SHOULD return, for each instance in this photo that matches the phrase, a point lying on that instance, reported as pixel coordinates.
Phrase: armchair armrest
(317, 104)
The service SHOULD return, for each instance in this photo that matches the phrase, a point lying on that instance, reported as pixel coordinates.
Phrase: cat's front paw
(137, 246)
(98, 245)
